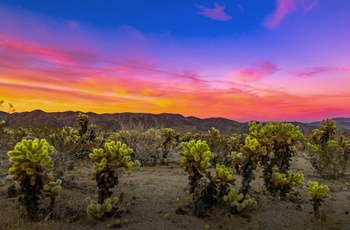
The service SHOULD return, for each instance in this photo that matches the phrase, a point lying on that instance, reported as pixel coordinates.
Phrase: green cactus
(106, 161)
(29, 160)
(52, 190)
(196, 154)
(113, 155)
(318, 194)
(286, 182)
(238, 202)
(237, 159)
(279, 140)
(223, 176)
(196, 158)
(253, 151)
(30, 157)
(98, 211)
(327, 151)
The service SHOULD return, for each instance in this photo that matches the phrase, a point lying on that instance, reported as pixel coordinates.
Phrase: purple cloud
(258, 71)
(310, 72)
(216, 13)
(284, 7)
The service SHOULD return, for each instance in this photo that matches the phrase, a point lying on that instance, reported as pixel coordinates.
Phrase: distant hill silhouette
(179, 123)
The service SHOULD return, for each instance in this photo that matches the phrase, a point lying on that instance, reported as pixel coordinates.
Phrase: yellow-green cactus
(30, 157)
(113, 155)
(316, 191)
(96, 210)
(52, 189)
(318, 194)
(196, 154)
(237, 201)
(287, 178)
(237, 159)
(223, 176)
(253, 149)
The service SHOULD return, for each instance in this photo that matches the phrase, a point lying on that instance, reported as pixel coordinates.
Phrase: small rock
(181, 211)
(9, 177)
(346, 212)
(299, 207)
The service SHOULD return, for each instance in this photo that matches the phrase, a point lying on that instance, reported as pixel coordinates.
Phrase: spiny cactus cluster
(106, 161)
(327, 151)
(29, 160)
(30, 157)
(195, 159)
(253, 151)
(113, 156)
(196, 154)
(238, 202)
(286, 182)
(277, 141)
(97, 211)
(207, 190)
(237, 159)
(318, 194)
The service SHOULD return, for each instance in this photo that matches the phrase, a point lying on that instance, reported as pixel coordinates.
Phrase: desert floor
(153, 195)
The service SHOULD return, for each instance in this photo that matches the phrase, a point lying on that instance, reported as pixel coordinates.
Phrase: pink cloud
(258, 71)
(310, 72)
(216, 13)
(284, 7)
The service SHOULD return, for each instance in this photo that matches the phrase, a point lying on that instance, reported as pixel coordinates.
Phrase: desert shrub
(170, 140)
(219, 144)
(107, 161)
(147, 145)
(29, 161)
(327, 151)
(9, 137)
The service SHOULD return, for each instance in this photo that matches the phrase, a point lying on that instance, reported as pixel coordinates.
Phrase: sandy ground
(155, 193)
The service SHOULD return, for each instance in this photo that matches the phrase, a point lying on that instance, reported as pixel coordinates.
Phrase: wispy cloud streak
(310, 72)
(258, 71)
(285, 7)
(217, 13)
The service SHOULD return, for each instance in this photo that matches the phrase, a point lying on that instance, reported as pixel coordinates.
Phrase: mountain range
(117, 121)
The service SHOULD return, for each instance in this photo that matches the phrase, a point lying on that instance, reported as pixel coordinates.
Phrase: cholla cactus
(279, 140)
(196, 158)
(286, 182)
(52, 190)
(196, 154)
(113, 155)
(96, 210)
(318, 194)
(253, 152)
(82, 120)
(29, 159)
(238, 202)
(223, 176)
(106, 161)
(237, 159)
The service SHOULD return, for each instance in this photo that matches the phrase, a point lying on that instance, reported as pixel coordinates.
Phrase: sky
(238, 59)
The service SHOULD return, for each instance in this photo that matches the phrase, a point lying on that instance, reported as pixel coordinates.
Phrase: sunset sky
(237, 59)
